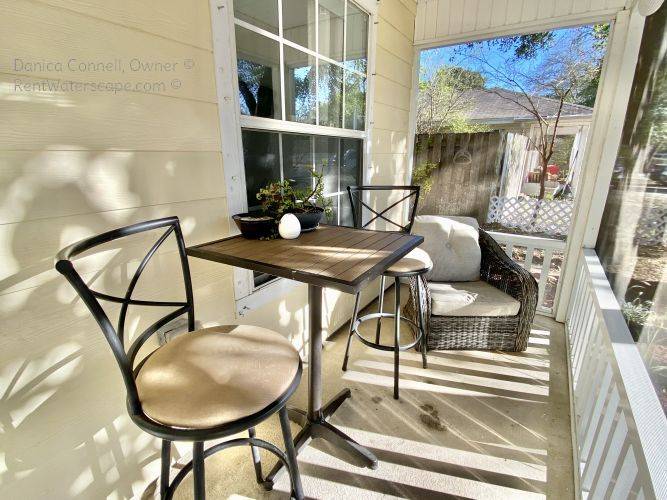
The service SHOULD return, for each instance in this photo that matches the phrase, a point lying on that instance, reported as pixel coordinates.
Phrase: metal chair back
(357, 204)
(115, 335)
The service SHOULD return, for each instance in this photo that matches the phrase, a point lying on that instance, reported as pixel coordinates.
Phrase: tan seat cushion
(216, 375)
(416, 260)
(473, 298)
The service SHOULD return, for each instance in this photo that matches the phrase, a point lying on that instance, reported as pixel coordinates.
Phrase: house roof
(497, 106)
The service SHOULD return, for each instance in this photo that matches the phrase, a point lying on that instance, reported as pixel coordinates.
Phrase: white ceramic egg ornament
(289, 227)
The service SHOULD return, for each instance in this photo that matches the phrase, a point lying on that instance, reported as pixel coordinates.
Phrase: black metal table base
(321, 429)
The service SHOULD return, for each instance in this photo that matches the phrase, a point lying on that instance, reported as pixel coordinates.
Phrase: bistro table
(336, 257)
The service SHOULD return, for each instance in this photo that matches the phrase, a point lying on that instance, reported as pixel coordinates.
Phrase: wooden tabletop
(330, 256)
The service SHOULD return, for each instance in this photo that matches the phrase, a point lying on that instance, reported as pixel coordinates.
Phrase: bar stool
(196, 387)
(413, 266)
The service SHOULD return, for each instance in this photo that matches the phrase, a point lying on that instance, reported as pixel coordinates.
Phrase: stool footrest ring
(382, 347)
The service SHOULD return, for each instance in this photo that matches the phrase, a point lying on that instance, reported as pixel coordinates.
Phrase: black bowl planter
(310, 220)
(254, 225)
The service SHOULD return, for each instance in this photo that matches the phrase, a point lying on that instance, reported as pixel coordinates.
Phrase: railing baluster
(528, 261)
(509, 250)
(619, 424)
(546, 245)
(544, 275)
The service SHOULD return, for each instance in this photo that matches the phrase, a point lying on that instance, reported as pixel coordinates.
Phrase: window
(632, 242)
(322, 46)
(302, 72)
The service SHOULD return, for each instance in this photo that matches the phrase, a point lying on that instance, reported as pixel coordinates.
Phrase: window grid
(282, 41)
(284, 126)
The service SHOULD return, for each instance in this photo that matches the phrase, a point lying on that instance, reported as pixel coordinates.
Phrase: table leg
(313, 421)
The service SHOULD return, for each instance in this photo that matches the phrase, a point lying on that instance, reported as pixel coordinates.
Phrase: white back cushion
(453, 245)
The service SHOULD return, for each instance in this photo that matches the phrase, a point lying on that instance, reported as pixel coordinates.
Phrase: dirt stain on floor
(430, 418)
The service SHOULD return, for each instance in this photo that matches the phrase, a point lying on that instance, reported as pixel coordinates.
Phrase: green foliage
(443, 102)
(421, 176)
(281, 197)
(524, 46)
(638, 311)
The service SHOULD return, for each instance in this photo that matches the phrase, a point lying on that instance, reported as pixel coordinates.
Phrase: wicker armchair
(504, 333)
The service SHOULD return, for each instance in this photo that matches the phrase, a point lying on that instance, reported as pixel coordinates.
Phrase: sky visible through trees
(528, 54)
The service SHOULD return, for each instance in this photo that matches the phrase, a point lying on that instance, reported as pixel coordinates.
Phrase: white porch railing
(543, 257)
(618, 423)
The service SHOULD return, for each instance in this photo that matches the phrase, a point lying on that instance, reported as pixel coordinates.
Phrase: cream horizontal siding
(184, 22)
(75, 40)
(133, 121)
(75, 163)
(392, 93)
(442, 21)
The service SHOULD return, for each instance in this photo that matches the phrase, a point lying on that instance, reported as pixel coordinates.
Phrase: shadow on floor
(475, 424)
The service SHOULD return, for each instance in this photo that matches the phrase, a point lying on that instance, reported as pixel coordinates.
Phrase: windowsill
(264, 294)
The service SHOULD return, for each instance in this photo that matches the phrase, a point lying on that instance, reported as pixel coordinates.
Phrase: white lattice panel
(533, 216)
(652, 227)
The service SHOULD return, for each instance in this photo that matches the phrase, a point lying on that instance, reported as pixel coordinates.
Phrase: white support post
(607, 125)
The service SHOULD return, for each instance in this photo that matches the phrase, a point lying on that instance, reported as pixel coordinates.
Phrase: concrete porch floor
(474, 424)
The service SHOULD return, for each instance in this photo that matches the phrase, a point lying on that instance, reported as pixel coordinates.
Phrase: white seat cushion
(453, 244)
(474, 298)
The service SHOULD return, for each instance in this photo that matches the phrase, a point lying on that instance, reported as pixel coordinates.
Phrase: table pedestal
(313, 422)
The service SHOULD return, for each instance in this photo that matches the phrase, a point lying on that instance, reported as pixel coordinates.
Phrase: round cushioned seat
(215, 376)
(416, 261)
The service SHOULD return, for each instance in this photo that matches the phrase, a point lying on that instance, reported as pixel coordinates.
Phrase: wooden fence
(467, 175)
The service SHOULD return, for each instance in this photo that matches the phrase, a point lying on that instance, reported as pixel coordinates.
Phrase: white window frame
(232, 122)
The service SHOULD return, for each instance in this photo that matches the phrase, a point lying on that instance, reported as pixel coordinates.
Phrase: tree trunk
(543, 177)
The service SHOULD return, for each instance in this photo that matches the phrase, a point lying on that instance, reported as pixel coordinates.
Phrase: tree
(528, 47)
(558, 75)
(442, 100)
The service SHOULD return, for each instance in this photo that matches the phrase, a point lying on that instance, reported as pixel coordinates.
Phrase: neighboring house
(504, 110)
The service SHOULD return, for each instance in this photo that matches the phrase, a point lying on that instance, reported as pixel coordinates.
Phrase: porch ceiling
(475, 424)
(448, 21)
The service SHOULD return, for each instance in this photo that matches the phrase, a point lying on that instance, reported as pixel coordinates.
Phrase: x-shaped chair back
(357, 203)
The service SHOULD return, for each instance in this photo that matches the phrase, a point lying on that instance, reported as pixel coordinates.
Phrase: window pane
(331, 14)
(632, 242)
(357, 38)
(330, 94)
(327, 161)
(260, 13)
(299, 22)
(335, 210)
(350, 171)
(299, 86)
(298, 159)
(355, 101)
(345, 211)
(262, 164)
(258, 61)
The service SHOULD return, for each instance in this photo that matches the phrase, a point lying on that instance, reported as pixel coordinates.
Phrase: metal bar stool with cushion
(203, 385)
(412, 266)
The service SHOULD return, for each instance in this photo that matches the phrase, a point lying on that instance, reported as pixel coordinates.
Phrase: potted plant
(255, 225)
(309, 206)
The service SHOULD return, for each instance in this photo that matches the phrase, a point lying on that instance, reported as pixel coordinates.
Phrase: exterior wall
(443, 21)
(77, 162)
(74, 163)
(391, 134)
